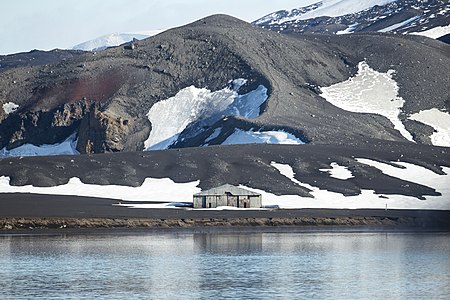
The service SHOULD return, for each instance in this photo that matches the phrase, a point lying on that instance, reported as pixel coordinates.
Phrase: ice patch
(10, 107)
(369, 91)
(191, 105)
(338, 172)
(398, 25)
(68, 147)
(239, 137)
(153, 189)
(367, 198)
(213, 135)
(435, 32)
(440, 121)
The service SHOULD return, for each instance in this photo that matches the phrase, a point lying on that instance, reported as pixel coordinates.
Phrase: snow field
(167, 191)
(367, 198)
(171, 116)
(369, 91)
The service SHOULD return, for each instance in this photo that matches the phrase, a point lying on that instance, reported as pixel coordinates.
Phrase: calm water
(226, 266)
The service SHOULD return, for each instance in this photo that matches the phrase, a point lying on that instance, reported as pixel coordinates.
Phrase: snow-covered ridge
(369, 91)
(429, 18)
(67, 147)
(203, 107)
(114, 39)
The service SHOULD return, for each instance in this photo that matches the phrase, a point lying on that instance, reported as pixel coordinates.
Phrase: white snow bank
(240, 137)
(367, 198)
(153, 189)
(68, 147)
(171, 116)
(369, 91)
(398, 25)
(336, 8)
(339, 172)
(10, 107)
(440, 121)
(435, 32)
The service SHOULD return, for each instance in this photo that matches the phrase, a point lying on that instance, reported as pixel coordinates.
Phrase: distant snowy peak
(112, 40)
(426, 17)
(285, 15)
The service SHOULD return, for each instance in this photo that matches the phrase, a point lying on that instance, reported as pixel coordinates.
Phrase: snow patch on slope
(435, 32)
(68, 147)
(440, 121)
(367, 198)
(10, 107)
(190, 105)
(348, 30)
(240, 137)
(339, 172)
(398, 25)
(369, 91)
(336, 8)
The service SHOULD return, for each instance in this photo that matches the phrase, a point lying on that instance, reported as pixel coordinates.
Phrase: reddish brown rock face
(97, 89)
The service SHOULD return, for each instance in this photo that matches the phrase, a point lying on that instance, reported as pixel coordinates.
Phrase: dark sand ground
(29, 212)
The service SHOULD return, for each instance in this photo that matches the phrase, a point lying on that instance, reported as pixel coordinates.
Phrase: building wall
(224, 200)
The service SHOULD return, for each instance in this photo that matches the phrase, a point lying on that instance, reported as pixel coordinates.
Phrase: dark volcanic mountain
(399, 16)
(367, 105)
(104, 97)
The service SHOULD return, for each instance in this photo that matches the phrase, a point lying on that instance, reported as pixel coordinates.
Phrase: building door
(203, 201)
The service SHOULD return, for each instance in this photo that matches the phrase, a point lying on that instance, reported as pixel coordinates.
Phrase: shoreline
(294, 224)
(27, 213)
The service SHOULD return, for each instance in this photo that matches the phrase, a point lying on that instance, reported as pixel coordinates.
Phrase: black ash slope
(242, 164)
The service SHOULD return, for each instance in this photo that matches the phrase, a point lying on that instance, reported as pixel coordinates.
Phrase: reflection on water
(213, 266)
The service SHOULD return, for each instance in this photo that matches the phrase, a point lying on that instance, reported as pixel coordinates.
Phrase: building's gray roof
(221, 190)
